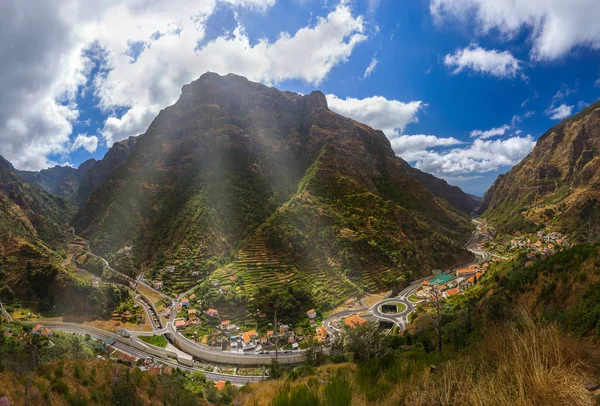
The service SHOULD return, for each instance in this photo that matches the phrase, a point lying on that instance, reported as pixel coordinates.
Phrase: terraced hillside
(237, 166)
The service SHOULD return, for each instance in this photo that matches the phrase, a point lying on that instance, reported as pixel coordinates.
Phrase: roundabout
(392, 308)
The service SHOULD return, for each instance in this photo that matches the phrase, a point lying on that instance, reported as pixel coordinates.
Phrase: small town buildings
(283, 329)
(170, 269)
(185, 302)
(192, 312)
(354, 321)
(321, 334)
(193, 296)
(41, 330)
(158, 285)
(451, 292)
(180, 324)
(212, 313)
(465, 272)
(46, 332)
(249, 338)
(350, 302)
(195, 273)
(232, 328)
(312, 314)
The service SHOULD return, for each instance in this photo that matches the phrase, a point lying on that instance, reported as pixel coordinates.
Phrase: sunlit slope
(557, 184)
(234, 158)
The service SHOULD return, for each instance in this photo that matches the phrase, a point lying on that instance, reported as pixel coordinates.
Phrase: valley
(253, 236)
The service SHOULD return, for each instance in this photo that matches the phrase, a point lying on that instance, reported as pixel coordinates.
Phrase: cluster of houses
(545, 245)
(21, 335)
(452, 284)
(41, 330)
(251, 340)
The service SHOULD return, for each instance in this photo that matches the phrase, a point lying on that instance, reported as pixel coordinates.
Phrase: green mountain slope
(33, 238)
(557, 184)
(234, 161)
(30, 212)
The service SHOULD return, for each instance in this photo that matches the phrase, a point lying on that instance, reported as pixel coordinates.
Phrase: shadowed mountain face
(29, 212)
(102, 169)
(558, 184)
(60, 180)
(233, 162)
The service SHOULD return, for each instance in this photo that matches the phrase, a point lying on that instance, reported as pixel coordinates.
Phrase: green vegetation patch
(158, 341)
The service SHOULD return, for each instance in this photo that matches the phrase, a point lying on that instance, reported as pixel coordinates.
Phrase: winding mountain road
(401, 319)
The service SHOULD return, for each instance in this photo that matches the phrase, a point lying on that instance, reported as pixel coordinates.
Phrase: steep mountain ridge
(33, 237)
(232, 158)
(557, 184)
(60, 180)
(103, 168)
(29, 212)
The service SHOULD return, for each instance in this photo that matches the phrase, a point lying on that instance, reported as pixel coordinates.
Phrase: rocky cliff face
(558, 184)
(236, 164)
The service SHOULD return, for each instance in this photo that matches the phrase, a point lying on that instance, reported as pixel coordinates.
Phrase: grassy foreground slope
(525, 334)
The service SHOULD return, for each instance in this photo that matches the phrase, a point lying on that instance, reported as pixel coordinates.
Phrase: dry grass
(525, 364)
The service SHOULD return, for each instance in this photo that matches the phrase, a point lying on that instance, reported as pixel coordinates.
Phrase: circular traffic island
(392, 308)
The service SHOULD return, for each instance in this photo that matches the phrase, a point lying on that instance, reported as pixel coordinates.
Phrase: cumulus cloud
(494, 132)
(147, 50)
(377, 111)
(559, 112)
(484, 61)
(555, 26)
(155, 79)
(371, 68)
(87, 142)
(413, 147)
(441, 156)
(481, 156)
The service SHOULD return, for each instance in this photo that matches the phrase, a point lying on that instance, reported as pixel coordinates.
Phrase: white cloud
(414, 147)
(560, 112)
(377, 111)
(565, 91)
(429, 152)
(89, 143)
(481, 156)
(597, 83)
(492, 62)
(44, 65)
(555, 26)
(371, 68)
(154, 81)
(494, 132)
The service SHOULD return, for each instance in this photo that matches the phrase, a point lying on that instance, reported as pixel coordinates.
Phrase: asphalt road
(5, 313)
(234, 379)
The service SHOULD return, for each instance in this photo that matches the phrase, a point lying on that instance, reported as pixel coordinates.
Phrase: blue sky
(462, 88)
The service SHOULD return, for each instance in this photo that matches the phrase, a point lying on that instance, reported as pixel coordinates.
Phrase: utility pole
(276, 337)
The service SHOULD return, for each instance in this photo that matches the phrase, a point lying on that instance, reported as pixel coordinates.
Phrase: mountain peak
(316, 101)
(4, 164)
